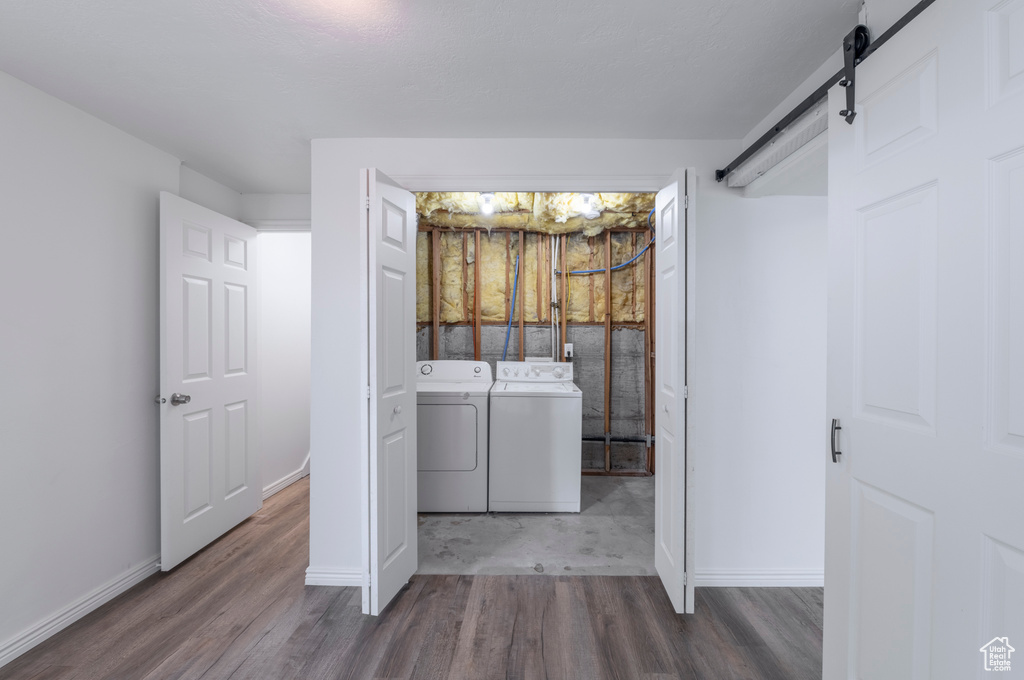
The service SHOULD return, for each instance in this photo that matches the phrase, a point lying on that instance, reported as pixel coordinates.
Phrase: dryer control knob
(504, 371)
(558, 372)
(476, 369)
(425, 369)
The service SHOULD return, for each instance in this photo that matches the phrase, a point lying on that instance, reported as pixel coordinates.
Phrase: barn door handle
(835, 430)
(179, 399)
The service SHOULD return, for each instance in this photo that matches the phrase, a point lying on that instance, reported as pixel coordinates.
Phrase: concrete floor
(613, 535)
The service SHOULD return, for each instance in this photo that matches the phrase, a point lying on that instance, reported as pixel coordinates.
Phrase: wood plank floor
(239, 610)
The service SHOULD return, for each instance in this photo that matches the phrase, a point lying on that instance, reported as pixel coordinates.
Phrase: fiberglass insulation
(451, 278)
(539, 214)
(549, 213)
(468, 202)
(628, 285)
(424, 277)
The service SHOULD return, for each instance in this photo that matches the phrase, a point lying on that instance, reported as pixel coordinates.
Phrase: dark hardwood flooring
(239, 610)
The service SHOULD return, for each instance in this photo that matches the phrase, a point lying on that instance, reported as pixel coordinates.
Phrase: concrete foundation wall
(627, 403)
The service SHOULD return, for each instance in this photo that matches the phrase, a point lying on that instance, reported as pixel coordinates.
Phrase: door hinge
(686, 391)
(367, 391)
(684, 578)
(686, 202)
(367, 202)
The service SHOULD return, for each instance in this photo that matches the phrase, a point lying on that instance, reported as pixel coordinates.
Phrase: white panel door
(670, 554)
(391, 231)
(924, 559)
(209, 464)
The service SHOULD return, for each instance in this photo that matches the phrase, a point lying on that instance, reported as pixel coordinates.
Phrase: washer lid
(524, 389)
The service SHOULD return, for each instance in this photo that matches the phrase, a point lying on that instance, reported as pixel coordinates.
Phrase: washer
(451, 438)
(536, 438)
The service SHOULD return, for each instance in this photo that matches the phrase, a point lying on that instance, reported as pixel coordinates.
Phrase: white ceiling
(237, 88)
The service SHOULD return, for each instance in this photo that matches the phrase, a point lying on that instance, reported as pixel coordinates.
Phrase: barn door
(924, 559)
(391, 230)
(209, 464)
(670, 516)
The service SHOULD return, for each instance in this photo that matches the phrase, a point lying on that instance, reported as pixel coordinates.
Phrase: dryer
(452, 435)
(536, 439)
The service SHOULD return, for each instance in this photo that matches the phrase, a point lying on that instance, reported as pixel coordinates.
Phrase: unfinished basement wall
(455, 306)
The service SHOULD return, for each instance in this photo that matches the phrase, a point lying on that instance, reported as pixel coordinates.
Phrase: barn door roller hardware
(861, 51)
(854, 46)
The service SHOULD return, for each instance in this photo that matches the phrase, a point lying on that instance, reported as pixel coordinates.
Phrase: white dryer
(451, 439)
(536, 438)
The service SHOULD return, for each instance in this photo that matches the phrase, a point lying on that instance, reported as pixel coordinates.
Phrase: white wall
(760, 408)
(730, 231)
(78, 359)
(276, 211)
(284, 338)
(79, 431)
(209, 193)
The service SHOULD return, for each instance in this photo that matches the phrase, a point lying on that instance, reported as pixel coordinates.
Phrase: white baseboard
(334, 577)
(61, 619)
(759, 578)
(287, 480)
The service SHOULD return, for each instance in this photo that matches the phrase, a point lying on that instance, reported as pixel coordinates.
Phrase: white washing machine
(451, 438)
(536, 438)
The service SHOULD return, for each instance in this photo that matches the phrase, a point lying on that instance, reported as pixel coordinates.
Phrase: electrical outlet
(568, 350)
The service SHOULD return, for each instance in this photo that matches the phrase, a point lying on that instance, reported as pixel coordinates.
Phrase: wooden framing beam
(607, 350)
(590, 284)
(648, 377)
(476, 295)
(522, 297)
(508, 282)
(634, 272)
(652, 279)
(615, 326)
(615, 473)
(548, 266)
(435, 337)
(540, 279)
(564, 306)
(465, 282)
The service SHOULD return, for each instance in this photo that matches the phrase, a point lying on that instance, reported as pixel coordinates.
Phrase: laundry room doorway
(390, 504)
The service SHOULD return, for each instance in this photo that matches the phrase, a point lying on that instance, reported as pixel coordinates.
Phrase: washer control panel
(534, 371)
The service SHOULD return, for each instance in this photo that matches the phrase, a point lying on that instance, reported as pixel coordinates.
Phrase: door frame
(686, 176)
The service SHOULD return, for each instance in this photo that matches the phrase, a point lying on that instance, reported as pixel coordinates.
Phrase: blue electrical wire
(512, 310)
(615, 268)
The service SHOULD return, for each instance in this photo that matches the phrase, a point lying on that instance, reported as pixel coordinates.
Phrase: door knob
(179, 399)
(398, 410)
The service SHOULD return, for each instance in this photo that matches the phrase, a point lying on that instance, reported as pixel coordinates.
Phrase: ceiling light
(486, 200)
(589, 206)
